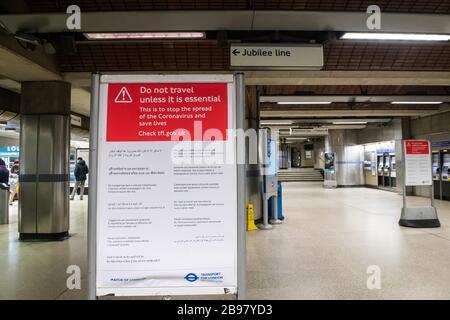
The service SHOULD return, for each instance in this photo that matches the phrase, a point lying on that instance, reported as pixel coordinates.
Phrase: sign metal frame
(417, 217)
(239, 118)
(274, 65)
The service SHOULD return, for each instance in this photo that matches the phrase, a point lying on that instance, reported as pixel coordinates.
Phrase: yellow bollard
(251, 218)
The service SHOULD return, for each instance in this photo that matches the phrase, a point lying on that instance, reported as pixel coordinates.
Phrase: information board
(166, 198)
(269, 56)
(417, 163)
(9, 151)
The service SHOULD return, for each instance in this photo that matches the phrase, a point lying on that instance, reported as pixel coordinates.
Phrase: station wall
(8, 141)
(307, 157)
(388, 132)
(350, 147)
(319, 153)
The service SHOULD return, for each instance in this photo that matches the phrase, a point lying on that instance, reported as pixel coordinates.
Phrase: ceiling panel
(354, 55)
(208, 55)
(416, 6)
(180, 55)
(355, 90)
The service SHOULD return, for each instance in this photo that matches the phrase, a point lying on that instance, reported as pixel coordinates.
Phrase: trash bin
(4, 203)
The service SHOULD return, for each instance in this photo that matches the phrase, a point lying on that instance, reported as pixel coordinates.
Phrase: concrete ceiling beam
(210, 20)
(290, 114)
(364, 78)
(354, 99)
(316, 78)
(20, 64)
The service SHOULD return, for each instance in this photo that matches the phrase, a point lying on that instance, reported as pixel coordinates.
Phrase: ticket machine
(445, 166)
(393, 173)
(445, 174)
(387, 170)
(380, 169)
(436, 170)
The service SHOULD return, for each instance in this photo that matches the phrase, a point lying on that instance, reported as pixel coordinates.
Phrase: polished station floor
(331, 236)
(322, 251)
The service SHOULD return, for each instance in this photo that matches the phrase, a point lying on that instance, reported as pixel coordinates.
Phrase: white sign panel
(417, 163)
(166, 210)
(277, 57)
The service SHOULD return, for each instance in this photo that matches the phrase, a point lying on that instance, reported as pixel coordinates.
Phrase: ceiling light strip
(395, 36)
(144, 35)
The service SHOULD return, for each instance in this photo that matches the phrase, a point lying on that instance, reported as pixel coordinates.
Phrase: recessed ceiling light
(144, 35)
(275, 123)
(349, 122)
(304, 102)
(416, 102)
(395, 36)
(295, 138)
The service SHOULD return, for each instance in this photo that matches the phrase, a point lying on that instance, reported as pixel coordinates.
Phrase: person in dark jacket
(4, 173)
(80, 172)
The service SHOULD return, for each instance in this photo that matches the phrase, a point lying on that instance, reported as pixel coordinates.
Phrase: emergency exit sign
(277, 56)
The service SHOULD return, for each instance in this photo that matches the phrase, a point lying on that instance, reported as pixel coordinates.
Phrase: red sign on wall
(163, 111)
(417, 146)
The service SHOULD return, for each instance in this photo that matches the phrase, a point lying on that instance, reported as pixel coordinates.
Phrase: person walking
(80, 172)
(4, 173)
(14, 182)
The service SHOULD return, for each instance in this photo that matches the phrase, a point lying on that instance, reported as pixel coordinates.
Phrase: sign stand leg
(92, 199)
(241, 211)
(417, 217)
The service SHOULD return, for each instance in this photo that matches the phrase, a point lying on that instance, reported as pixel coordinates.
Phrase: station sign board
(9, 151)
(417, 163)
(277, 56)
(166, 217)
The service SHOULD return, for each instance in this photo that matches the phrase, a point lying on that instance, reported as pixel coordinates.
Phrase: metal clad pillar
(44, 160)
(348, 157)
(253, 172)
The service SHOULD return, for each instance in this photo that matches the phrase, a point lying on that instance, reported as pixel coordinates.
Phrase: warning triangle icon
(123, 96)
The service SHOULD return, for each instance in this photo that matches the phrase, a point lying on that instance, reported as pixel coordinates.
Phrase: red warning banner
(417, 146)
(164, 111)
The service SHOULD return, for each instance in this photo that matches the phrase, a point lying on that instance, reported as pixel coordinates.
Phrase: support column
(405, 133)
(44, 160)
(253, 173)
(348, 157)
